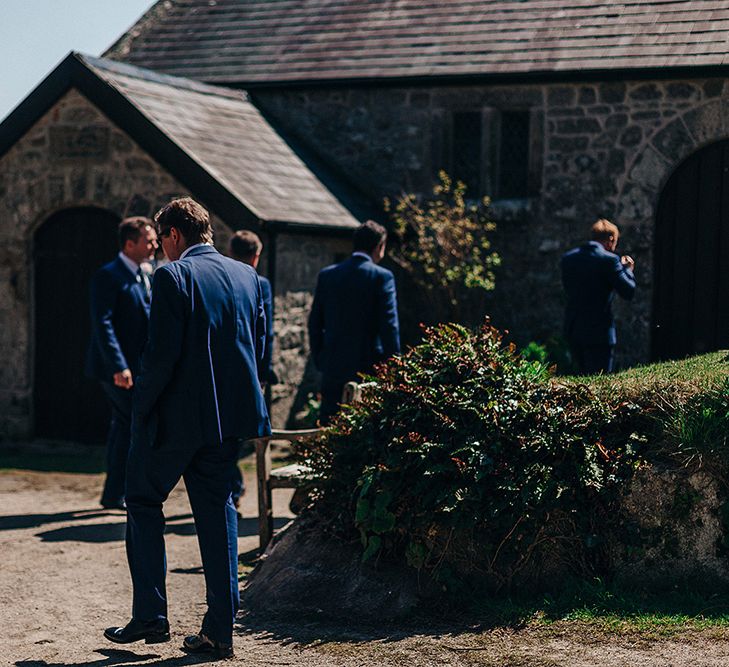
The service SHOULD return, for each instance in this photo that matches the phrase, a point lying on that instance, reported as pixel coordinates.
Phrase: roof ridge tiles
(145, 74)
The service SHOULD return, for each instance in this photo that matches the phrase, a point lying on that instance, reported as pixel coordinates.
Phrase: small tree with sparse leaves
(443, 244)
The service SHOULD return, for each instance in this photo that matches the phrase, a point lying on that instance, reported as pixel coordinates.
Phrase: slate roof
(251, 42)
(212, 139)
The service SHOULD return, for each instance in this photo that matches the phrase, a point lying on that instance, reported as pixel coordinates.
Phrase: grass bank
(687, 401)
(609, 609)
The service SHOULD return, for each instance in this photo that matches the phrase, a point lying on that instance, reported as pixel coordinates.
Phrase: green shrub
(554, 352)
(466, 457)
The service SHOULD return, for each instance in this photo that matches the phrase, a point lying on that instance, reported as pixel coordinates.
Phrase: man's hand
(123, 379)
(627, 262)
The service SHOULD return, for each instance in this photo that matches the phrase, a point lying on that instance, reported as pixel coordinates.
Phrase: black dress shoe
(201, 644)
(153, 632)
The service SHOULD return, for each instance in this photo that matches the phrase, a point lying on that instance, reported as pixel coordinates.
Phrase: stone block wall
(607, 149)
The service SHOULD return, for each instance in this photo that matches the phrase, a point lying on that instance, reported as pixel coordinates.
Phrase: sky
(35, 35)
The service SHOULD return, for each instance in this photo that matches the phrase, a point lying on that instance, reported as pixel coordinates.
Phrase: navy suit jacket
(591, 276)
(264, 369)
(119, 322)
(353, 322)
(199, 379)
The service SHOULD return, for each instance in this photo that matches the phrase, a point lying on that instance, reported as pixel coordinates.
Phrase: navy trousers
(239, 485)
(593, 359)
(117, 442)
(151, 474)
(331, 397)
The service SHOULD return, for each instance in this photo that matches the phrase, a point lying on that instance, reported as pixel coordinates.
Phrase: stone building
(562, 113)
(99, 140)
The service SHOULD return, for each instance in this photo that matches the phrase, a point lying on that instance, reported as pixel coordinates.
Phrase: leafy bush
(443, 243)
(554, 352)
(466, 457)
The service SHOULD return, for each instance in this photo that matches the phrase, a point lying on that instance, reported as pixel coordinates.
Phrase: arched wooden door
(691, 265)
(68, 249)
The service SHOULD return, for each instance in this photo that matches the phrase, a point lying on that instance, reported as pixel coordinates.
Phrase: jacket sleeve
(164, 347)
(387, 318)
(316, 325)
(103, 297)
(264, 368)
(623, 280)
(261, 328)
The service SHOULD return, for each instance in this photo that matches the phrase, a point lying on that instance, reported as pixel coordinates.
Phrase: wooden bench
(287, 477)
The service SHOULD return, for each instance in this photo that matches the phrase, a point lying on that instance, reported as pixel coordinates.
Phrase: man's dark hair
(131, 228)
(245, 245)
(188, 217)
(368, 236)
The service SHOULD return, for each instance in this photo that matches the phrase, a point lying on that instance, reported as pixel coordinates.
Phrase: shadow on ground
(20, 521)
(317, 632)
(593, 609)
(180, 524)
(119, 657)
(95, 532)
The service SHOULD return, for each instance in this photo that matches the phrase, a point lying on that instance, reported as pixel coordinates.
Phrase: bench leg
(265, 506)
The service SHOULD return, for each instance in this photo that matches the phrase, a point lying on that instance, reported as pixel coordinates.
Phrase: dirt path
(63, 579)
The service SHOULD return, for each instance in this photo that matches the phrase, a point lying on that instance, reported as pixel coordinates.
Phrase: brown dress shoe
(201, 644)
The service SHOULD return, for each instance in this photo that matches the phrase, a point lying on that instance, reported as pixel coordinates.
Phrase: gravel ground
(64, 578)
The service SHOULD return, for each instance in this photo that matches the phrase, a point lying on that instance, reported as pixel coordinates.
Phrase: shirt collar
(359, 253)
(130, 264)
(187, 250)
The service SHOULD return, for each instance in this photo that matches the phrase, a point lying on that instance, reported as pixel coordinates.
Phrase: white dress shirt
(187, 250)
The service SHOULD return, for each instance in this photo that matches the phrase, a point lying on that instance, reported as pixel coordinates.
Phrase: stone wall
(669, 533)
(606, 151)
(74, 156)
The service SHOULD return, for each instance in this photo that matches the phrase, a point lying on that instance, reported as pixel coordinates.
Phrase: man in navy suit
(591, 275)
(353, 322)
(197, 397)
(120, 293)
(246, 247)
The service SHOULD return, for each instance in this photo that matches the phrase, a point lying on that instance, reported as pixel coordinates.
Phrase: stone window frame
(491, 147)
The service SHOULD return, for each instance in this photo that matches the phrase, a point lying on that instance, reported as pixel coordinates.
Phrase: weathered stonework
(666, 532)
(608, 150)
(74, 156)
(670, 529)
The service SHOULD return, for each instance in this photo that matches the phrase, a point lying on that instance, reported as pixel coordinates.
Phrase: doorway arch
(68, 248)
(691, 260)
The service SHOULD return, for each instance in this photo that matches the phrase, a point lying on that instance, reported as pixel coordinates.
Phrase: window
(514, 155)
(467, 143)
(495, 153)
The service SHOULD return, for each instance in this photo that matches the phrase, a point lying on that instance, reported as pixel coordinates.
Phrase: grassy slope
(670, 379)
